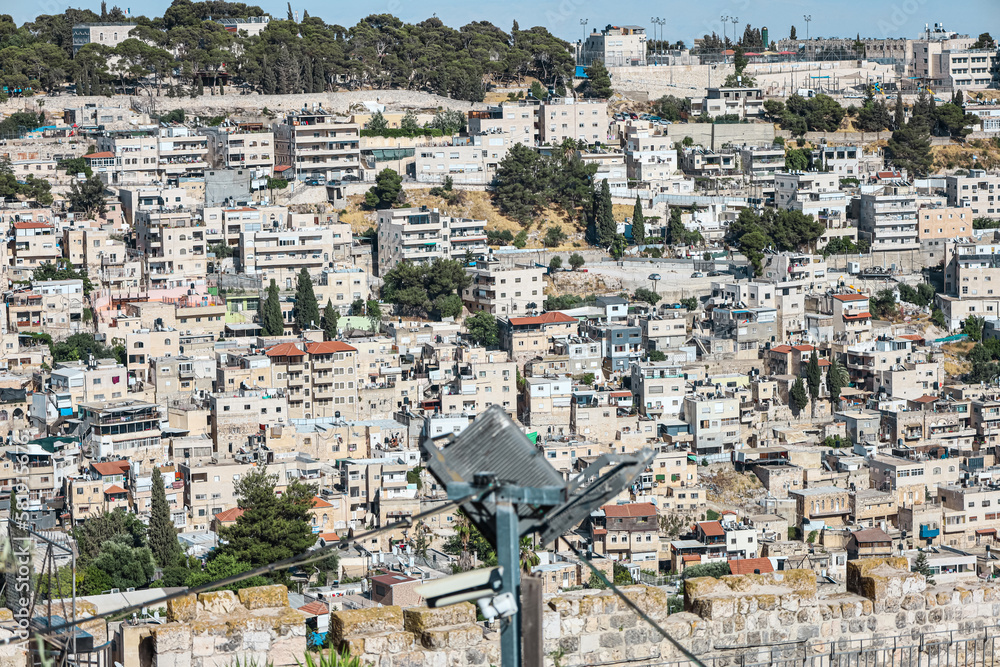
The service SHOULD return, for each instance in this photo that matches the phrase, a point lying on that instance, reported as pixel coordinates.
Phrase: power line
(300, 559)
(634, 607)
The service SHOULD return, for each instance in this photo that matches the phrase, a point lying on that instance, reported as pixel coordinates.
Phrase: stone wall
(761, 619)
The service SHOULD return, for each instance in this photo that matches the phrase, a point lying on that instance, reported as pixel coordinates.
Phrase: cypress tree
(798, 395)
(834, 381)
(330, 318)
(604, 218)
(813, 379)
(898, 117)
(306, 309)
(638, 223)
(270, 315)
(162, 534)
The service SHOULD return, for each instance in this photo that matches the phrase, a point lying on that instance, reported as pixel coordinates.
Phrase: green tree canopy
(387, 190)
(483, 329)
(598, 81)
(306, 308)
(163, 542)
(88, 197)
(416, 288)
(271, 320)
(331, 316)
(638, 223)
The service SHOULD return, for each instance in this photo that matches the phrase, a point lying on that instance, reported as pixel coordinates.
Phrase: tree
(622, 576)
(985, 41)
(483, 329)
(717, 570)
(417, 288)
(374, 311)
(125, 565)
(690, 303)
(528, 557)
(358, 307)
(791, 33)
(883, 304)
(272, 527)
(638, 223)
(973, 327)
(387, 190)
(377, 124)
(604, 219)
(306, 308)
(937, 317)
(922, 567)
(80, 346)
(898, 114)
(88, 197)
(814, 379)
(222, 567)
(62, 270)
(329, 320)
(555, 262)
(120, 525)
(448, 305)
(409, 123)
(598, 81)
(647, 295)
(554, 237)
(163, 542)
(910, 147)
(835, 381)
(797, 396)
(271, 320)
(576, 261)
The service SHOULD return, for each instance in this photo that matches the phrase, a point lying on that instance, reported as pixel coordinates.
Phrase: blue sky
(685, 20)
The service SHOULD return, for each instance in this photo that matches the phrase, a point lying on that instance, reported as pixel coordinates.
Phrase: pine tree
(791, 33)
(798, 396)
(921, 566)
(271, 321)
(813, 379)
(834, 382)
(604, 219)
(638, 224)
(898, 116)
(330, 318)
(162, 535)
(306, 309)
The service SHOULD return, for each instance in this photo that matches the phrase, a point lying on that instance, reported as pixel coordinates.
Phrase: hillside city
(258, 269)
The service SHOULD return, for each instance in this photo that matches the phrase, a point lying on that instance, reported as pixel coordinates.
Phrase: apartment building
(210, 488)
(578, 119)
(182, 152)
(700, 161)
(422, 235)
(936, 226)
(852, 319)
(649, 157)
(127, 157)
(54, 307)
(504, 290)
(480, 383)
(971, 269)
(182, 374)
(821, 506)
(241, 146)
(615, 46)
(910, 481)
(174, 247)
(659, 388)
(469, 160)
(238, 415)
(761, 163)
(664, 331)
(813, 193)
(741, 102)
(321, 378)
(105, 34)
(582, 356)
(714, 421)
(513, 122)
(793, 275)
(978, 191)
(122, 429)
(280, 254)
(33, 244)
(968, 513)
(547, 403)
(626, 533)
(318, 147)
(888, 215)
(986, 421)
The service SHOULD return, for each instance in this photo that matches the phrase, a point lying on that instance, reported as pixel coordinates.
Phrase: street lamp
(807, 18)
(725, 20)
(735, 20)
(583, 44)
(584, 22)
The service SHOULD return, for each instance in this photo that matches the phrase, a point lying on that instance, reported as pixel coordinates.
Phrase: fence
(929, 649)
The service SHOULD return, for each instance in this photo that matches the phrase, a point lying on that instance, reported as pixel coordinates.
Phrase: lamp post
(583, 44)
(725, 20)
(734, 20)
(807, 18)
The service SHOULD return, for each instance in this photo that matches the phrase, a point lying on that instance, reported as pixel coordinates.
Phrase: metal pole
(508, 557)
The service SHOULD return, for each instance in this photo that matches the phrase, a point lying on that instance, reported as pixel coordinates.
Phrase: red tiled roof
(850, 297)
(621, 394)
(986, 531)
(31, 225)
(690, 558)
(319, 502)
(282, 167)
(544, 318)
(824, 362)
(803, 348)
(913, 337)
(315, 608)
(748, 565)
(329, 537)
(228, 516)
(113, 490)
(102, 154)
(782, 349)
(600, 531)
(860, 316)
(285, 350)
(925, 399)
(711, 528)
(111, 467)
(629, 510)
(889, 174)
(329, 347)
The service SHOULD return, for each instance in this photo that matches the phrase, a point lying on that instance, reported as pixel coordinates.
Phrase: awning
(986, 531)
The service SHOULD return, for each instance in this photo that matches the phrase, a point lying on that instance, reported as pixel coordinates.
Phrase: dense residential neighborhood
(260, 273)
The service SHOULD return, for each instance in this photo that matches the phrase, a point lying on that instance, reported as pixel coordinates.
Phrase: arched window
(139, 345)
(937, 471)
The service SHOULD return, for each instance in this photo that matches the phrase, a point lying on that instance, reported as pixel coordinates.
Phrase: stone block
(184, 608)
(172, 637)
(359, 622)
(456, 636)
(218, 602)
(418, 619)
(262, 597)
(203, 646)
(881, 579)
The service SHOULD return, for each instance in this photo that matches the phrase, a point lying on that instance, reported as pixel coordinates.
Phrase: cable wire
(634, 607)
(284, 564)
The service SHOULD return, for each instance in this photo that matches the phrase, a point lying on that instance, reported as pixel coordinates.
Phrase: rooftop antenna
(519, 493)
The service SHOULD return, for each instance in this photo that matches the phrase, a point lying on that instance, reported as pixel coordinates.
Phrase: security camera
(466, 587)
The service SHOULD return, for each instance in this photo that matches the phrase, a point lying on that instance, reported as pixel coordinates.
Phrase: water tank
(764, 39)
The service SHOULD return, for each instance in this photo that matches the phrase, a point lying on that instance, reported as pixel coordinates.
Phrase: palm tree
(529, 558)
(464, 530)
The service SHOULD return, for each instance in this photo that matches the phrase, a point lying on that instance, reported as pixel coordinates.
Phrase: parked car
(697, 274)
(713, 274)
(315, 181)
